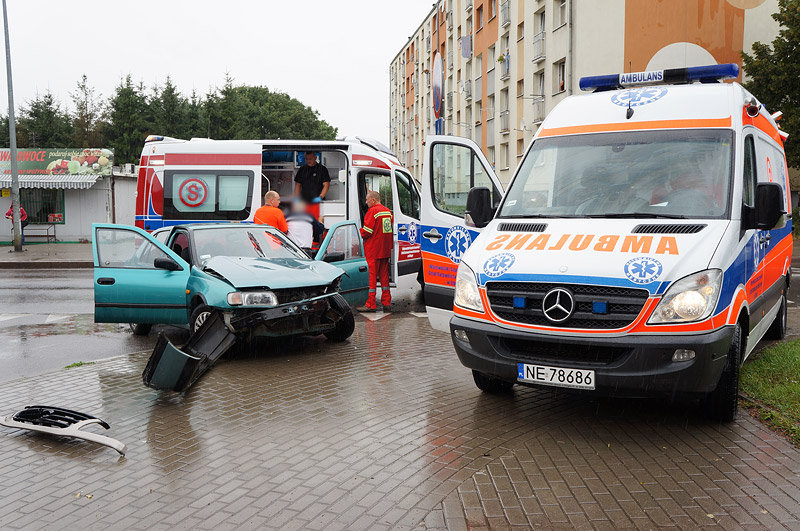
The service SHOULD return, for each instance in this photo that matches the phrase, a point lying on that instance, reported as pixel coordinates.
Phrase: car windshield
(253, 241)
(670, 174)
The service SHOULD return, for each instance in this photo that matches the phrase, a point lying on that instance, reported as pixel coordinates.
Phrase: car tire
(198, 317)
(777, 329)
(346, 325)
(723, 402)
(491, 385)
(140, 329)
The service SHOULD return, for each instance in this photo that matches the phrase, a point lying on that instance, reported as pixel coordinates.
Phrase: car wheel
(199, 316)
(346, 325)
(491, 385)
(723, 402)
(778, 328)
(140, 329)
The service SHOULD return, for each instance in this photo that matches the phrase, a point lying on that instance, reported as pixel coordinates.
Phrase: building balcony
(505, 14)
(450, 60)
(505, 118)
(449, 17)
(538, 47)
(468, 5)
(505, 70)
(468, 90)
(538, 109)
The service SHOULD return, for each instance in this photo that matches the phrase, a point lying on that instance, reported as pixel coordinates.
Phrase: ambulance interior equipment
(642, 247)
(278, 169)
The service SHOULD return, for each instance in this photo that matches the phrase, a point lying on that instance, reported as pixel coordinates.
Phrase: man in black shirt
(311, 183)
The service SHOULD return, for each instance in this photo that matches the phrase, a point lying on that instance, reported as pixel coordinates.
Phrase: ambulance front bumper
(626, 365)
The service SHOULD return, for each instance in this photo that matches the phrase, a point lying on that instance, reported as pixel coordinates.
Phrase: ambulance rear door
(452, 166)
(406, 212)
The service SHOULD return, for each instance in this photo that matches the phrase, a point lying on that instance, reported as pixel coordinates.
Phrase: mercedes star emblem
(558, 304)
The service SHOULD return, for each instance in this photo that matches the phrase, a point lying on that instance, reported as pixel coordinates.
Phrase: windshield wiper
(637, 215)
(255, 244)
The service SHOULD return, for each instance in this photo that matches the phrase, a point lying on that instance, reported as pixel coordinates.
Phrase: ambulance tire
(777, 329)
(141, 329)
(488, 384)
(198, 317)
(346, 325)
(723, 402)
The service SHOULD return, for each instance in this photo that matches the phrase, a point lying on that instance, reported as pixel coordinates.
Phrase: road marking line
(419, 314)
(374, 316)
(53, 317)
(9, 316)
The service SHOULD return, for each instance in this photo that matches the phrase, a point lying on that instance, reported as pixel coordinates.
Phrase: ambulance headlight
(691, 298)
(467, 294)
(252, 298)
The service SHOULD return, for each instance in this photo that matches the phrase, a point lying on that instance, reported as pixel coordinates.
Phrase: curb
(48, 264)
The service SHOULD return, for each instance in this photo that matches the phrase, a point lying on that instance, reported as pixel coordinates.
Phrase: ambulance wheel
(723, 402)
(140, 329)
(346, 325)
(421, 278)
(199, 316)
(778, 328)
(491, 385)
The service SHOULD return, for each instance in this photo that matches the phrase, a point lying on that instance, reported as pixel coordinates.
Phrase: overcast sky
(332, 55)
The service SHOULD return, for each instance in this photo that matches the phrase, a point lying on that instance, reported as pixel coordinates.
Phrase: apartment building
(508, 62)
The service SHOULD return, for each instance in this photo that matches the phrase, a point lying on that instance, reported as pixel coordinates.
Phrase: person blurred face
(311, 159)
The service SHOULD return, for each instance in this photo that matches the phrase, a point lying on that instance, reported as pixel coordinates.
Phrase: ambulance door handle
(761, 241)
(768, 236)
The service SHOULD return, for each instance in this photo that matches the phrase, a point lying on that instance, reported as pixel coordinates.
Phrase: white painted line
(375, 316)
(9, 316)
(419, 314)
(54, 317)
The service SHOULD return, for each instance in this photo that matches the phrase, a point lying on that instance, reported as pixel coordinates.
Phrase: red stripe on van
(212, 159)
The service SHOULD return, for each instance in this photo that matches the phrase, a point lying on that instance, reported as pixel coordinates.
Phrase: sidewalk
(47, 256)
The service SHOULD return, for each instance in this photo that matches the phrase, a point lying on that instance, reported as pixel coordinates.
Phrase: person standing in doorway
(23, 220)
(378, 234)
(270, 214)
(311, 183)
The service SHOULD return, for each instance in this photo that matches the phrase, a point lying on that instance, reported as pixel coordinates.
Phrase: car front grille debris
(62, 422)
(173, 369)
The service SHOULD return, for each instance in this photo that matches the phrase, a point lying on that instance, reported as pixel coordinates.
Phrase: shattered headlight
(691, 298)
(252, 298)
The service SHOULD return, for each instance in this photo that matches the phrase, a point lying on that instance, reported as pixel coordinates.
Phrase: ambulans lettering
(633, 78)
(606, 243)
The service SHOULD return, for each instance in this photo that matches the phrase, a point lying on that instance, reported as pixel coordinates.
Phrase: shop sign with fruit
(59, 161)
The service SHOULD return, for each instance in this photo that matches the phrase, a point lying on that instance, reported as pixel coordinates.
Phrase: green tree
(87, 116)
(43, 123)
(5, 140)
(773, 73)
(128, 121)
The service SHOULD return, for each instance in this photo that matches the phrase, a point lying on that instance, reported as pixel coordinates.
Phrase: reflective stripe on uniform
(367, 229)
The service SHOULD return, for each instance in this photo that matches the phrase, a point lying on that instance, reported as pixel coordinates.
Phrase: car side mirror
(333, 257)
(165, 262)
(342, 176)
(479, 207)
(770, 206)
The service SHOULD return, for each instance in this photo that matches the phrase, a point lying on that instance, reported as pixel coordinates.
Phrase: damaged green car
(225, 282)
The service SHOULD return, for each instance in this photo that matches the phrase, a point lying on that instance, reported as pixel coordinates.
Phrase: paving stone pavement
(386, 430)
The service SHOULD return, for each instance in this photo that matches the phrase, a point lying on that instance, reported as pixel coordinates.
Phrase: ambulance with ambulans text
(642, 247)
(203, 180)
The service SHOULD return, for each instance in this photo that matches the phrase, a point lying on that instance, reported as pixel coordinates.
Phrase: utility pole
(12, 134)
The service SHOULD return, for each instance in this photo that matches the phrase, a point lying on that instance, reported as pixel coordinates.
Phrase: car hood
(643, 253)
(272, 273)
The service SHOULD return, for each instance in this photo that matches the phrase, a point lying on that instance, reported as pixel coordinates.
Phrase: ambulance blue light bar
(704, 74)
(154, 138)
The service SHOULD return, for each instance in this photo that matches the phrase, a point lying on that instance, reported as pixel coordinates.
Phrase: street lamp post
(12, 135)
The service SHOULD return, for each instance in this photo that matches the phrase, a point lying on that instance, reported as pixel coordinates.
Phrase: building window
(560, 76)
(479, 15)
(520, 88)
(478, 115)
(520, 31)
(504, 156)
(492, 9)
(490, 155)
(43, 205)
(560, 9)
(520, 147)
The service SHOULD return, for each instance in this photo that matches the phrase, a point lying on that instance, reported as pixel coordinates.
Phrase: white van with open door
(203, 180)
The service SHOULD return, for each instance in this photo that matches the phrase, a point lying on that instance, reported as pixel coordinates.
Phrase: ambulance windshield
(670, 174)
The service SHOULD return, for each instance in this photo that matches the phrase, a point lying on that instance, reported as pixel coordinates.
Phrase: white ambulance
(202, 180)
(642, 246)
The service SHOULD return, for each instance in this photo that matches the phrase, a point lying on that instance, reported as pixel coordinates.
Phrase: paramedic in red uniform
(311, 183)
(378, 234)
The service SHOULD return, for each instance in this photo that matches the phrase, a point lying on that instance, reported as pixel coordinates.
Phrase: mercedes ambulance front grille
(668, 228)
(596, 307)
(533, 351)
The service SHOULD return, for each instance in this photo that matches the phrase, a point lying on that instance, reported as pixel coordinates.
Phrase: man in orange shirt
(378, 234)
(270, 214)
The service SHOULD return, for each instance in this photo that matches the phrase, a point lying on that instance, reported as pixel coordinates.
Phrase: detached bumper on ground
(624, 365)
(174, 369)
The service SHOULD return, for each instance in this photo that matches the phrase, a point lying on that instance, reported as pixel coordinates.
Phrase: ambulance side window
(749, 173)
(407, 195)
(208, 195)
(455, 170)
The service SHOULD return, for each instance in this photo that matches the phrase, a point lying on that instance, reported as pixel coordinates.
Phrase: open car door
(344, 248)
(452, 166)
(406, 224)
(137, 279)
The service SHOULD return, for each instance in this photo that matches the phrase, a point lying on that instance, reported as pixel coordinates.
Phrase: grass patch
(79, 364)
(771, 384)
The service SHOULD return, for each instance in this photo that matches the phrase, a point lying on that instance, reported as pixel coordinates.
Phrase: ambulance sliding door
(452, 166)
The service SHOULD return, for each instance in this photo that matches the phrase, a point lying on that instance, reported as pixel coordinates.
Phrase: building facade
(508, 62)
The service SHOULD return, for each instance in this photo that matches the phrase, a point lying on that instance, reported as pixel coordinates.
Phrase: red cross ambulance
(642, 246)
(202, 180)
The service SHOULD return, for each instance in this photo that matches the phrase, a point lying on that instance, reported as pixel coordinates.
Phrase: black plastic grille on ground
(53, 417)
(623, 305)
(532, 351)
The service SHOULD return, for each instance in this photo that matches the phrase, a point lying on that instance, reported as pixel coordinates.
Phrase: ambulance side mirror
(342, 176)
(479, 207)
(770, 206)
